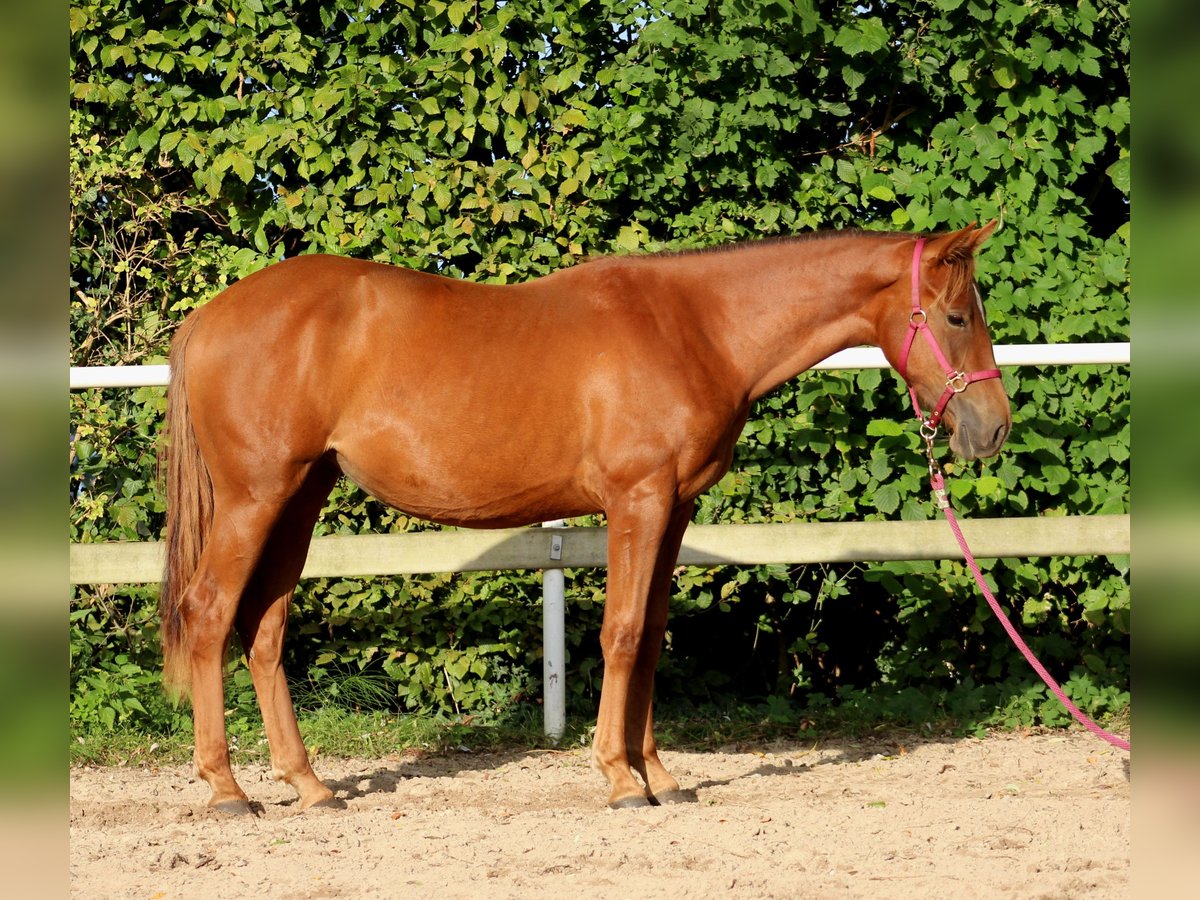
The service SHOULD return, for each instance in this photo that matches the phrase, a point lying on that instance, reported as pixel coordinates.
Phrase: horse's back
(354, 325)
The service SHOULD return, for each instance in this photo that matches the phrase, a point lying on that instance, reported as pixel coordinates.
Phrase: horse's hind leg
(262, 625)
(209, 605)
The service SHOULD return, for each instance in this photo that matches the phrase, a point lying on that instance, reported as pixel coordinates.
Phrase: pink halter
(956, 382)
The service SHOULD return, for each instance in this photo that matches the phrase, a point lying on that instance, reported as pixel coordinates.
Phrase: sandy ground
(1009, 816)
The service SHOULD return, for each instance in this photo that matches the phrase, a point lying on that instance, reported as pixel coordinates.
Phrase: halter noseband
(918, 321)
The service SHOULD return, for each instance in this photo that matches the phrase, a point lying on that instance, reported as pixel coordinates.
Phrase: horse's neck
(781, 308)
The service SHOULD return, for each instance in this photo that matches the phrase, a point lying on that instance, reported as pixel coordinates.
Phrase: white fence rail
(83, 377)
(554, 548)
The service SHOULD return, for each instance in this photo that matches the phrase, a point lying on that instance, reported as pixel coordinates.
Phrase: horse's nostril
(1000, 435)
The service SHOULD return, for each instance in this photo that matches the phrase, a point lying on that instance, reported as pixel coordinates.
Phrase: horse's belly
(473, 490)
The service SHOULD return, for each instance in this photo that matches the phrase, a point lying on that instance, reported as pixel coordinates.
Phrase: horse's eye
(956, 319)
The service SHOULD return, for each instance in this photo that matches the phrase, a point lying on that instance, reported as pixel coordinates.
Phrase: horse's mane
(961, 275)
(804, 237)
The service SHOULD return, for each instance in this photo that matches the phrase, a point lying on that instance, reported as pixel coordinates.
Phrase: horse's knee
(621, 643)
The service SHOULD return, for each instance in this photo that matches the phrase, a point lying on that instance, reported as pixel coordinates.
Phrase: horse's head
(953, 377)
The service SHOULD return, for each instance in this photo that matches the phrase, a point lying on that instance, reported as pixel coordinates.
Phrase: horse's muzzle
(976, 440)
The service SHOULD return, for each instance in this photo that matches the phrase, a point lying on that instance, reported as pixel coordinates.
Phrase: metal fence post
(554, 641)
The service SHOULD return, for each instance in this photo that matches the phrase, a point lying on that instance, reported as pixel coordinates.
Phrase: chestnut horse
(617, 386)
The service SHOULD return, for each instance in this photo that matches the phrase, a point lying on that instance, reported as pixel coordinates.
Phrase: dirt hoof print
(237, 808)
(333, 803)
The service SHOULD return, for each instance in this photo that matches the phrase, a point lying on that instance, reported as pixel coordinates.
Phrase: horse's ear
(982, 234)
(960, 246)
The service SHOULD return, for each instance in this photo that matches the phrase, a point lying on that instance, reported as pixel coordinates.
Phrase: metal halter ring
(957, 382)
(912, 318)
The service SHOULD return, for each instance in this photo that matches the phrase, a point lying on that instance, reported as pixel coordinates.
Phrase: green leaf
(865, 35)
(989, 485)
(1118, 172)
(574, 117)
(1004, 75)
(884, 428)
(149, 139)
(470, 96)
(629, 238)
(853, 78)
(886, 498)
(255, 142)
(242, 167)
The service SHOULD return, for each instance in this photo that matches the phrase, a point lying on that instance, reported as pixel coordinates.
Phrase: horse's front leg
(639, 713)
(638, 522)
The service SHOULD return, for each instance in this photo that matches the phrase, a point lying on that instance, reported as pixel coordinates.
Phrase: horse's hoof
(633, 801)
(236, 807)
(327, 803)
(667, 798)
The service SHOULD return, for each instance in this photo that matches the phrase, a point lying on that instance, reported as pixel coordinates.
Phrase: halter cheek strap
(918, 321)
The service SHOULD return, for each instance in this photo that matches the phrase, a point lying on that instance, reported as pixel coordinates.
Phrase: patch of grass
(852, 713)
(331, 728)
(127, 746)
(714, 726)
(334, 731)
(346, 689)
(330, 731)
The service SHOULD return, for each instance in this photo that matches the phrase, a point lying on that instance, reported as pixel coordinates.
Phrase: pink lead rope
(956, 383)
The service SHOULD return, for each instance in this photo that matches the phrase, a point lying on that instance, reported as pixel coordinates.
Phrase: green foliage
(114, 665)
(502, 141)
